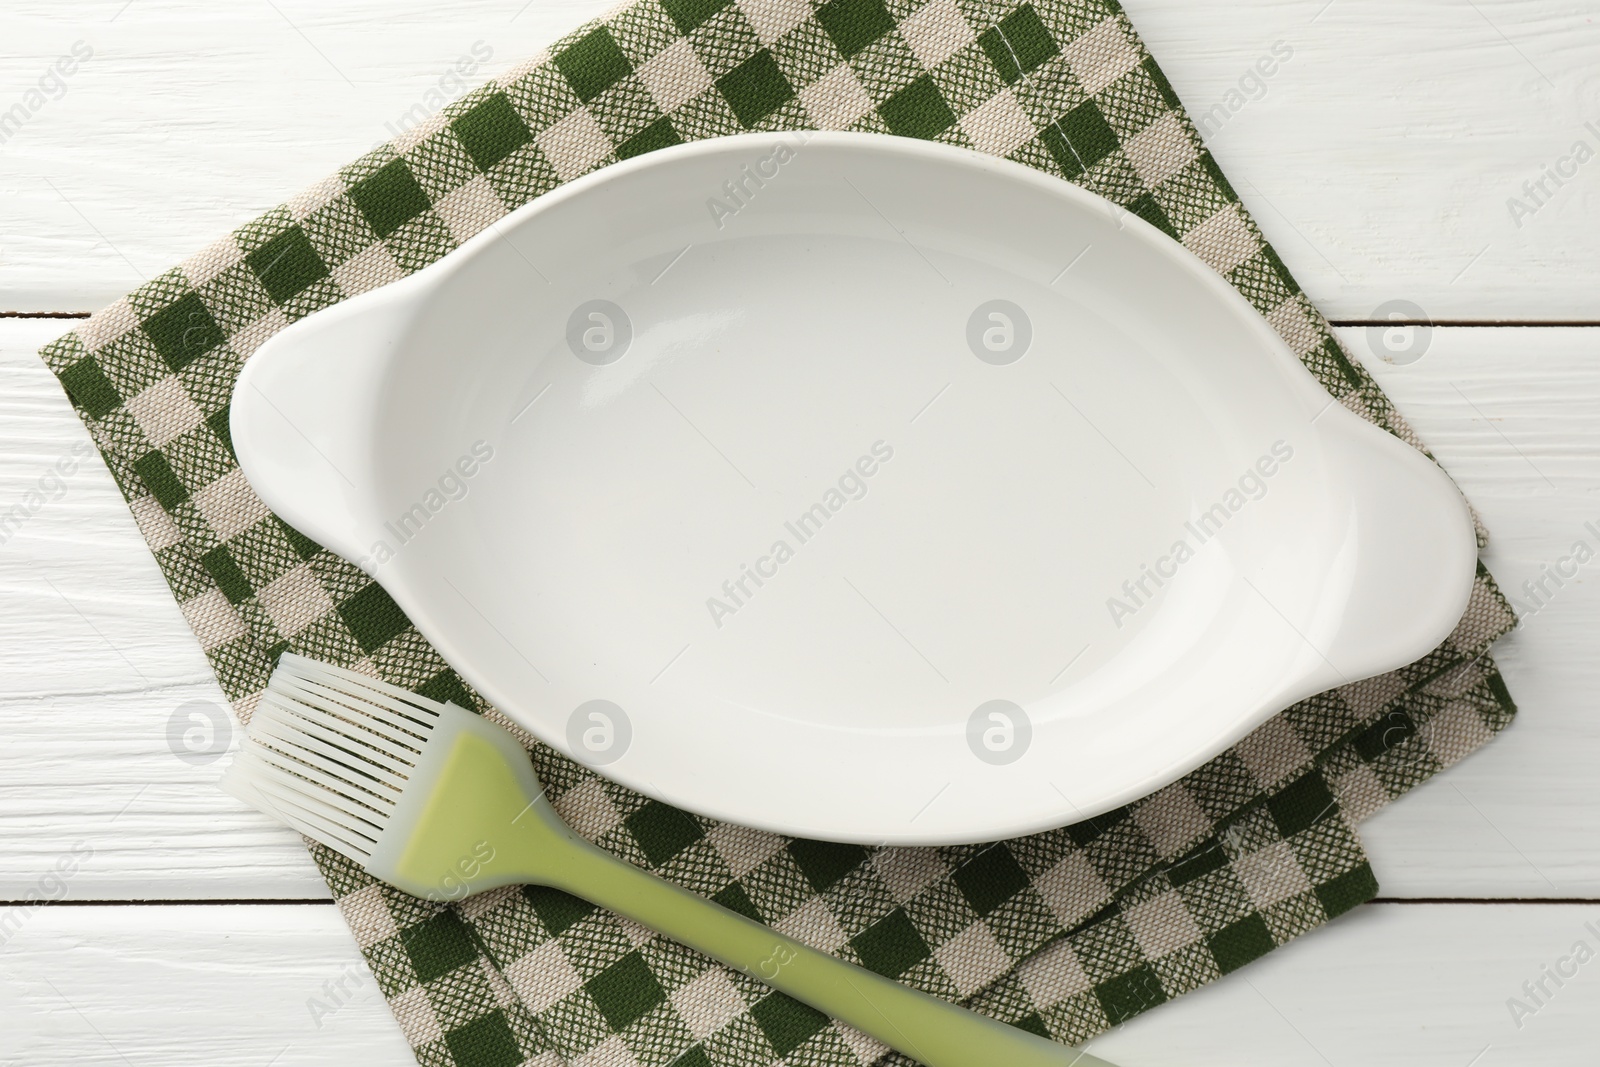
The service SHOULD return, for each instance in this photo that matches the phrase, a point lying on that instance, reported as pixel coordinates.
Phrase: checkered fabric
(1064, 933)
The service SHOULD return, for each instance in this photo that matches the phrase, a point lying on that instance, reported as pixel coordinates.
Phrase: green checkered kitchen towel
(1064, 933)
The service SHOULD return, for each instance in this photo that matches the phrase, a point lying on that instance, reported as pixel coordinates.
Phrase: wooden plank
(1403, 985)
(1514, 415)
(191, 119)
(95, 664)
(85, 699)
(1380, 157)
(1381, 163)
(1413, 985)
(213, 985)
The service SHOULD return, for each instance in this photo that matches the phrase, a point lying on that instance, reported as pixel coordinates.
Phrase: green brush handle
(481, 785)
(929, 1030)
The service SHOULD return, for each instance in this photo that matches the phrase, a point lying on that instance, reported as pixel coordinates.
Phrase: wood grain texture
(95, 659)
(1411, 985)
(1380, 157)
(1386, 986)
(1514, 415)
(203, 985)
(1379, 162)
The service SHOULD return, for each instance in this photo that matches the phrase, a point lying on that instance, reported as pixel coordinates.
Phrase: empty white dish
(855, 487)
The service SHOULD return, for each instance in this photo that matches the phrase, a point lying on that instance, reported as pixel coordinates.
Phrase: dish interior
(802, 453)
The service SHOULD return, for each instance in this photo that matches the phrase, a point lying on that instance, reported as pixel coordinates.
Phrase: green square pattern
(1080, 139)
(486, 1041)
(659, 134)
(373, 617)
(734, 897)
(226, 573)
(491, 131)
(854, 24)
(626, 991)
(155, 470)
(690, 15)
(663, 831)
(287, 265)
(649, 76)
(891, 946)
(1338, 895)
(1302, 804)
(1395, 728)
(593, 64)
(183, 331)
(755, 88)
(390, 198)
(558, 911)
(787, 1023)
(439, 945)
(90, 389)
(1019, 44)
(918, 110)
(824, 863)
(1237, 944)
(1150, 210)
(1132, 993)
(990, 879)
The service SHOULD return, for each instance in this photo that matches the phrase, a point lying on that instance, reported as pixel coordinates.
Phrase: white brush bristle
(330, 752)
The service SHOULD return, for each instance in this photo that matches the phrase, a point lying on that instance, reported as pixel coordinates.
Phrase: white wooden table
(1379, 158)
